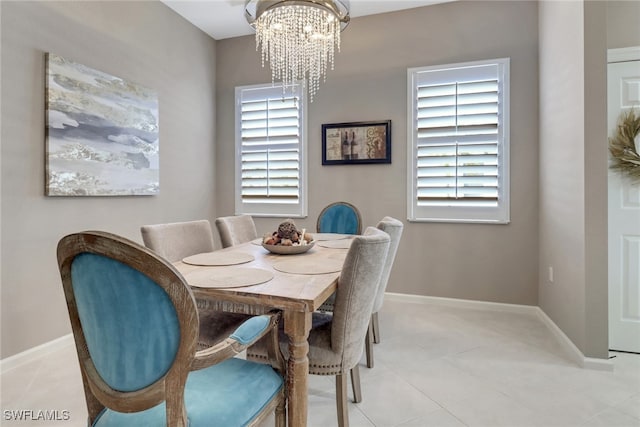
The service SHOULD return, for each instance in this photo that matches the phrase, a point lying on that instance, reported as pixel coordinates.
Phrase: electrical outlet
(550, 274)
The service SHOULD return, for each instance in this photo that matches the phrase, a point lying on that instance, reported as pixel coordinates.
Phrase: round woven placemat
(329, 236)
(218, 258)
(336, 244)
(309, 266)
(228, 277)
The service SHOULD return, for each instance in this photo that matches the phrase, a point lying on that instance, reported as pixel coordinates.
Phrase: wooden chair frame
(98, 393)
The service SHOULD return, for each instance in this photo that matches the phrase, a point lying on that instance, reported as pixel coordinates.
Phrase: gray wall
(144, 42)
(562, 189)
(472, 261)
(596, 163)
(623, 23)
(149, 44)
(573, 168)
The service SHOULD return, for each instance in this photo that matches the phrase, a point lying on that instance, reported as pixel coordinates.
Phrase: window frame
(275, 209)
(499, 214)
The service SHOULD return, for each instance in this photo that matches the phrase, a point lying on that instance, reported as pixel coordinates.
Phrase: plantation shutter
(270, 149)
(459, 147)
(457, 158)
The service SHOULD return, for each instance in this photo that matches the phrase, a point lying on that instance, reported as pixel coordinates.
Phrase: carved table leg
(297, 326)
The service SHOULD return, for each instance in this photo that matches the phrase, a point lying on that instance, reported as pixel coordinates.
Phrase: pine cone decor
(287, 239)
(287, 230)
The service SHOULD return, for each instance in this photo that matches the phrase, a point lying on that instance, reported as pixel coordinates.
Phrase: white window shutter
(458, 167)
(270, 157)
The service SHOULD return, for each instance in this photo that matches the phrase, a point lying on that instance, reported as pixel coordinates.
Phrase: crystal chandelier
(298, 37)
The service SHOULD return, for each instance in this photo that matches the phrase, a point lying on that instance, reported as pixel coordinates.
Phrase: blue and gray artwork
(102, 133)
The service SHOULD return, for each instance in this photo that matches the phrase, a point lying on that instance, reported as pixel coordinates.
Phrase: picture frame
(356, 143)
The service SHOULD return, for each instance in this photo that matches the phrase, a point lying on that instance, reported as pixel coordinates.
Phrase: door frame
(624, 54)
(616, 55)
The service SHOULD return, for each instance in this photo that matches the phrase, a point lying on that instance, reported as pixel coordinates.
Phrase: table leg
(297, 325)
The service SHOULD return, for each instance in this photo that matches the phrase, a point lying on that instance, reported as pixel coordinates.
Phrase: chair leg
(368, 344)
(355, 384)
(281, 414)
(341, 400)
(376, 328)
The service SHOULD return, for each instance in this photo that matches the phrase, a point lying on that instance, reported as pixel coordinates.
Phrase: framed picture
(356, 143)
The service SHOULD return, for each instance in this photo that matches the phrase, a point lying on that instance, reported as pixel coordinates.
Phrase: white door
(624, 220)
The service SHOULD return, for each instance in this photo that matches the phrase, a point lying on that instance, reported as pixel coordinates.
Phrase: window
(458, 144)
(270, 151)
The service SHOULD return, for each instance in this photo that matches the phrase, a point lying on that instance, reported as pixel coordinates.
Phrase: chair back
(178, 240)
(235, 230)
(393, 228)
(339, 217)
(134, 322)
(354, 297)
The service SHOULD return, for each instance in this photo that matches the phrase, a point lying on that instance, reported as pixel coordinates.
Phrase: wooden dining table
(296, 295)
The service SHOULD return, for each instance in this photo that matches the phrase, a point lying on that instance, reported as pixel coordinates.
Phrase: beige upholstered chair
(177, 240)
(336, 340)
(237, 229)
(135, 326)
(393, 228)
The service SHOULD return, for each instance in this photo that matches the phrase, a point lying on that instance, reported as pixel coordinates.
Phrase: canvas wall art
(102, 133)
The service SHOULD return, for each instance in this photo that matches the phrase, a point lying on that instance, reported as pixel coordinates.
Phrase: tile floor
(435, 366)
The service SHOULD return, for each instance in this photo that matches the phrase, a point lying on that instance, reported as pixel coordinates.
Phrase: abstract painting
(102, 133)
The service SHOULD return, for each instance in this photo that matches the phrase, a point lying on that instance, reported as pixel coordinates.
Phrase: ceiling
(222, 19)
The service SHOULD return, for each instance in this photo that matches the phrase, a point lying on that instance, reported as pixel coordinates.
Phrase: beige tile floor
(435, 366)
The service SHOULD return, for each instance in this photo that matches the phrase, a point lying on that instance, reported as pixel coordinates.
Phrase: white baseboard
(568, 346)
(598, 364)
(11, 362)
(463, 303)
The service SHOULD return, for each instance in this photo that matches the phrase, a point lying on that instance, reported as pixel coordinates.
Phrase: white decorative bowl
(289, 250)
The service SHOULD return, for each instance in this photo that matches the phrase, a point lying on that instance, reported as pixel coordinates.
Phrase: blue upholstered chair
(135, 326)
(339, 217)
